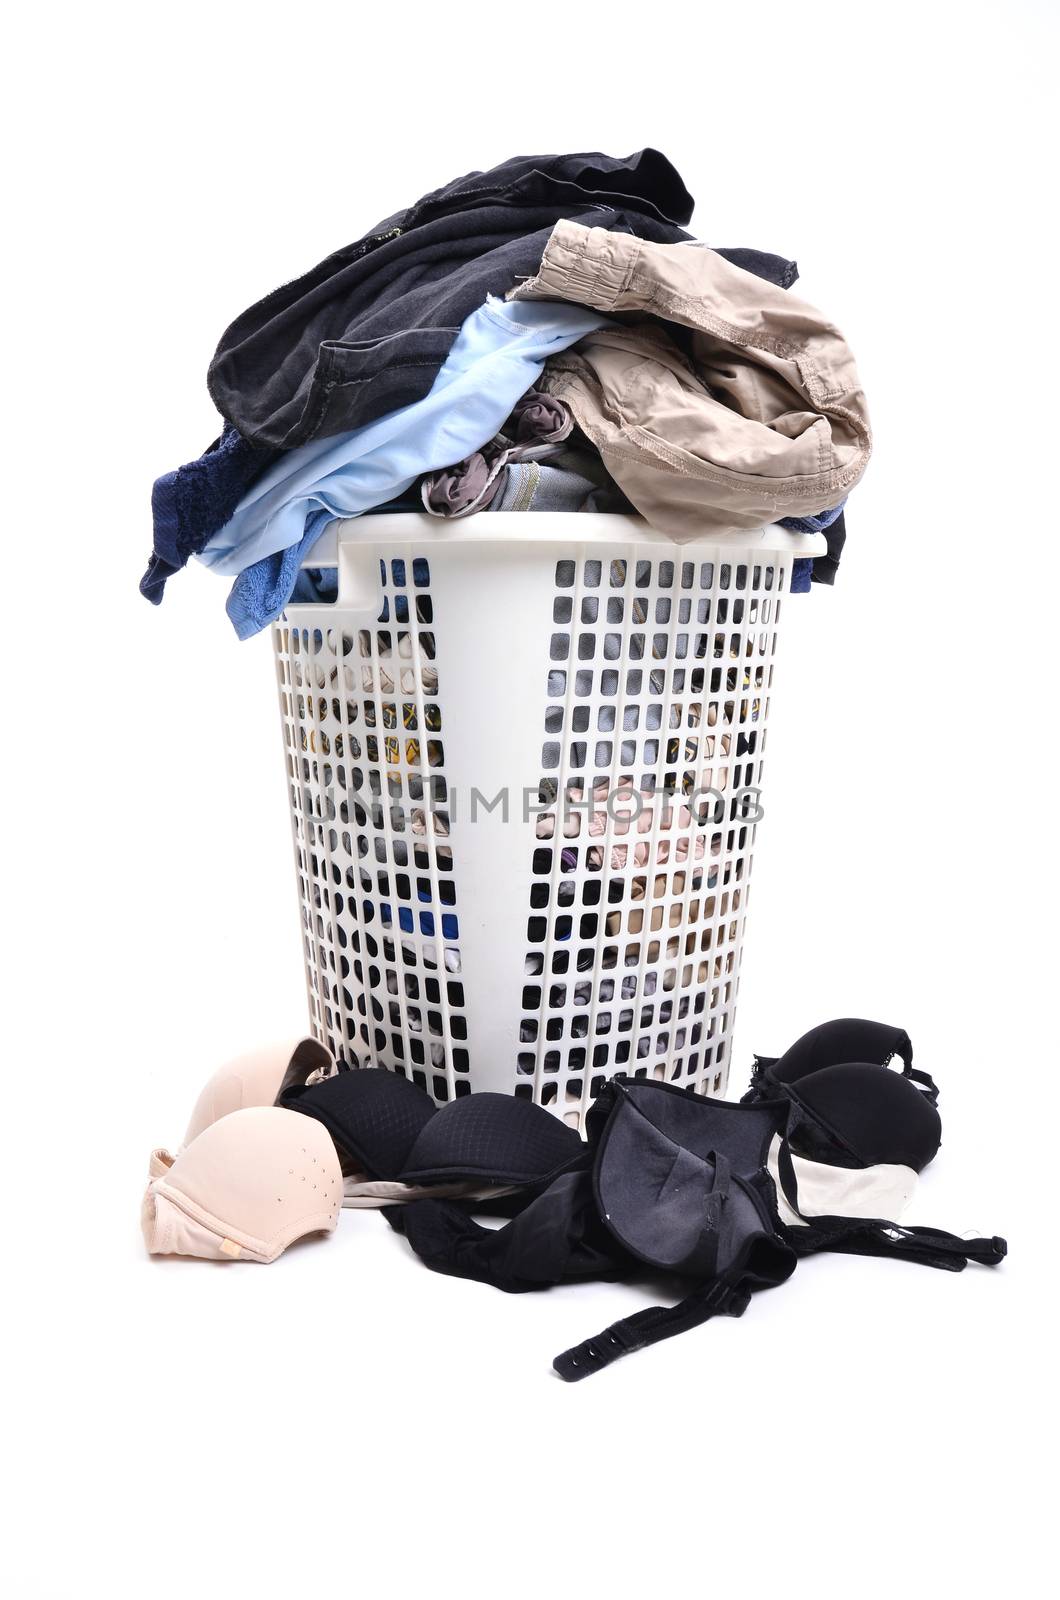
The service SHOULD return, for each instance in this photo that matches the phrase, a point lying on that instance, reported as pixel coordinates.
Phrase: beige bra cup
(244, 1189)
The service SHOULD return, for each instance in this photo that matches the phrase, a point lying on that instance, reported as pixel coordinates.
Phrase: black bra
(388, 1127)
(846, 1107)
(665, 1179)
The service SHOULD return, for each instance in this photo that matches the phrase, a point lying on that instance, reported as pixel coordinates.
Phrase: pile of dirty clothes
(822, 1154)
(545, 336)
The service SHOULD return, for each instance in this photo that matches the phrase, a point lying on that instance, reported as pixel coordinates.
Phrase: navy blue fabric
(815, 524)
(818, 569)
(191, 503)
(801, 574)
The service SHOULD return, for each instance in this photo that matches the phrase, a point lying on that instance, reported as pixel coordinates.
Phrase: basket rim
(506, 529)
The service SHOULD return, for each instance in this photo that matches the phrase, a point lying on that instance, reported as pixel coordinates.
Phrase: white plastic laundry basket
(498, 740)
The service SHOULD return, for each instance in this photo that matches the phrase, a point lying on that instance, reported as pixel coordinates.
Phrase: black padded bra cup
(697, 1123)
(673, 1180)
(374, 1117)
(391, 1129)
(848, 1105)
(495, 1138)
(832, 1044)
(880, 1115)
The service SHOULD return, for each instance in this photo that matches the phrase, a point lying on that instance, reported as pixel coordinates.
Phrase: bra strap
(926, 1082)
(930, 1247)
(718, 1299)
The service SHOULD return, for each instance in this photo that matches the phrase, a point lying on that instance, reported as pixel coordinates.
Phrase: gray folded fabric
(534, 432)
(458, 490)
(538, 419)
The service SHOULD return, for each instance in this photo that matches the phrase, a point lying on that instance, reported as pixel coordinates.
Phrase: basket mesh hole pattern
(645, 719)
(654, 724)
(366, 774)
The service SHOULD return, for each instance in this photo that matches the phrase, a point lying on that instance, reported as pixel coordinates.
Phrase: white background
(345, 1421)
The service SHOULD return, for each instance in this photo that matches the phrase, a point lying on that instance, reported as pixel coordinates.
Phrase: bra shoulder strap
(930, 1247)
(718, 1299)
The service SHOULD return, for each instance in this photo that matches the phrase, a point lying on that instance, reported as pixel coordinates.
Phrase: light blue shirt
(499, 352)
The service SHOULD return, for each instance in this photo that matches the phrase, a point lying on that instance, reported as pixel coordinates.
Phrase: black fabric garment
(825, 567)
(666, 1179)
(849, 1112)
(650, 1189)
(714, 1299)
(556, 1236)
(672, 1176)
(847, 1108)
(929, 1247)
(374, 1117)
(696, 1122)
(653, 1188)
(366, 330)
(390, 1128)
